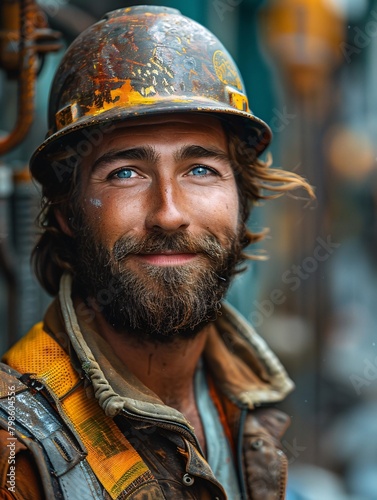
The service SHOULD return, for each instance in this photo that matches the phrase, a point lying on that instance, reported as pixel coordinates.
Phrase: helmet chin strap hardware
(237, 99)
(66, 116)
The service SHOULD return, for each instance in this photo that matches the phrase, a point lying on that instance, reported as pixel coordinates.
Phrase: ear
(63, 223)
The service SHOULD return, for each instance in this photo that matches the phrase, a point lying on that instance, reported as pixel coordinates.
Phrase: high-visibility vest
(71, 430)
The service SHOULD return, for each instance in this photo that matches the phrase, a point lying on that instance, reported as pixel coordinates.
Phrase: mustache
(181, 242)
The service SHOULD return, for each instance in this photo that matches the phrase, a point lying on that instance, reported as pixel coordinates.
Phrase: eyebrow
(145, 153)
(149, 154)
(191, 152)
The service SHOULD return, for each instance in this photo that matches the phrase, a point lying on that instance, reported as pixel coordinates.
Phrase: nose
(167, 207)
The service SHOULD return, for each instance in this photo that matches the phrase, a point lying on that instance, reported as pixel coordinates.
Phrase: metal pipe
(26, 80)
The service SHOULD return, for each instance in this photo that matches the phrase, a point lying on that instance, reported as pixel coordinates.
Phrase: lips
(166, 249)
(167, 258)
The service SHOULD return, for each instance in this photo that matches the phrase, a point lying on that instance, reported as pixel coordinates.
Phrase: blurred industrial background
(310, 68)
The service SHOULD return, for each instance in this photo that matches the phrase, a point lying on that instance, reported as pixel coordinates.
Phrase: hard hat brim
(255, 133)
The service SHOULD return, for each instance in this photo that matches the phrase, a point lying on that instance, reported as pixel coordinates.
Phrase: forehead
(169, 131)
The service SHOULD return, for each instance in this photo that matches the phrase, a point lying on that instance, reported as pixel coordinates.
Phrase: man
(140, 383)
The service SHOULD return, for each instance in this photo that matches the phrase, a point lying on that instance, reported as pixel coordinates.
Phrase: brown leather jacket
(248, 380)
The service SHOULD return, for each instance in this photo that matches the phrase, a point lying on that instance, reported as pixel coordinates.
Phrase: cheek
(93, 208)
(112, 216)
(232, 208)
(94, 211)
(220, 211)
(230, 205)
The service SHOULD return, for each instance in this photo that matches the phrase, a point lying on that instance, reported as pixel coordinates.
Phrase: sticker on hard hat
(225, 70)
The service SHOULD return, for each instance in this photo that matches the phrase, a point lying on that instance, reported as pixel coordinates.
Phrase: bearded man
(140, 383)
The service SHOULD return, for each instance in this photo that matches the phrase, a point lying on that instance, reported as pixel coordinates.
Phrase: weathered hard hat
(139, 61)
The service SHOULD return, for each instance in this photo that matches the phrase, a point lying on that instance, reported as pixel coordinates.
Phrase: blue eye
(200, 170)
(125, 173)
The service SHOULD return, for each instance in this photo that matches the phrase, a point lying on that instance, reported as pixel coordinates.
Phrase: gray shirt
(219, 452)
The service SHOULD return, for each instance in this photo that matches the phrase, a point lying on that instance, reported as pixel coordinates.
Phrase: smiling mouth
(167, 258)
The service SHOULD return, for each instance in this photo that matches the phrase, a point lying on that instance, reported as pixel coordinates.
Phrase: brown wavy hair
(55, 252)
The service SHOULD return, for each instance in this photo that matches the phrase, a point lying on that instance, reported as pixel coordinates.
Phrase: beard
(150, 302)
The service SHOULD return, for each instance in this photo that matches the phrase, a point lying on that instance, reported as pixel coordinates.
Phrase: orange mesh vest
(110, 455)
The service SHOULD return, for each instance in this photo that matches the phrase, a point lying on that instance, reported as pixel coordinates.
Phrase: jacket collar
(240, 362)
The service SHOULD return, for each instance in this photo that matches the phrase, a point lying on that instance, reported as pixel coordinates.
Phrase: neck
(166, 368)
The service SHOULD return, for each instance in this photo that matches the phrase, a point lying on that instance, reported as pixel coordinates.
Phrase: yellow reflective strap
(110, 455)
